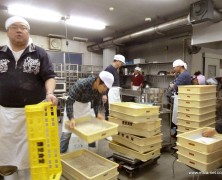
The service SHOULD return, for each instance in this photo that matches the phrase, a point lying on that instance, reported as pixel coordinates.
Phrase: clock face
(55, 43)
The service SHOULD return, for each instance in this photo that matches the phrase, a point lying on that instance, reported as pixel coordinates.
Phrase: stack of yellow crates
(202, 153)
(43, 141)
(196, 107)
(139, 129)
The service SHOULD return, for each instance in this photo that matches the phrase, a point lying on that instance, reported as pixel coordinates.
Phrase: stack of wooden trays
(139, 129)
(201, 153)
(196, 107)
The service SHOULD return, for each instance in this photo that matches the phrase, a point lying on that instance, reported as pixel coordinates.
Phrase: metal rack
(71, 74)
(59, 69)
(89, 71)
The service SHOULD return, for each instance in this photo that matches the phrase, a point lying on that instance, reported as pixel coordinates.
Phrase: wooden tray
(140, 149)
(196, 117)
(182, 128)
(197, 97)
(91, 129)
(145, 126)
(204, 167)
(132, 153)
(135, 109)
(192, 110)
(139, 132)
(197, 89)
(200, 156)
(140, 141)
(195, 141)
(196, 124)
(135, 119)
(84, 165)
(197, 104)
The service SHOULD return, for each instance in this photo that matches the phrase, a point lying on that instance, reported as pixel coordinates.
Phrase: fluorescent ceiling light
(34, 13)
(85, 23)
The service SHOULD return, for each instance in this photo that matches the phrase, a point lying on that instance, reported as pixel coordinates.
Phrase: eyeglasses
(22, 28)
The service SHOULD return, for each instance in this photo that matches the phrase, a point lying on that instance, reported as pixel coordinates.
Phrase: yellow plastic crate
(86, 165)
(135, 119)
(140, 141)
(140, 149)
(197, 104)
(139, 132)
(91, 129)
(132, 153)
(200, 156)
(43, 141)
(197, 89)
(196, 117)
(146, 126)
(135, 109)
(204, 167)
(195, 141)
(192, 110)
(197, 97)
(196, 124)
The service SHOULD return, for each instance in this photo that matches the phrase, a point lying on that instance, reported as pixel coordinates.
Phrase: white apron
(135, 88)
(13, 138)
(80, 109)
(175, 109)
(114, 94)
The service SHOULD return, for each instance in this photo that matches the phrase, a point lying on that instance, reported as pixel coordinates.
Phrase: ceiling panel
(128, 15)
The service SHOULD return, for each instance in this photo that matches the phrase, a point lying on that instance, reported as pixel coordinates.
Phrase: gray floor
(161, 170)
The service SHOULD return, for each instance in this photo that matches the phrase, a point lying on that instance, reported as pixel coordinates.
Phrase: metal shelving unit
(71, 74)
(89, 71)
(59, 69)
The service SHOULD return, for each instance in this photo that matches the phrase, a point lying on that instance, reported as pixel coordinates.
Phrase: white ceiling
(128, 15)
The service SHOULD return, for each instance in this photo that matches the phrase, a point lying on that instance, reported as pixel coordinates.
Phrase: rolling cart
(129, 165)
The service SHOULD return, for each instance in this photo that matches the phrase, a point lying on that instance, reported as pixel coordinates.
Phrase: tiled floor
(162, 170)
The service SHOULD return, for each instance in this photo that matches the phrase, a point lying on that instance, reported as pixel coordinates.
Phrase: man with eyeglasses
(27, 77)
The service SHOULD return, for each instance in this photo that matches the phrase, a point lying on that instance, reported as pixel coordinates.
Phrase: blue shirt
(183, 79)
(115, 73)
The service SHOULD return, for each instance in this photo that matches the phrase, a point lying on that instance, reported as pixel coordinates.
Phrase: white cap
(15, 19)
(179, 62)
(107, 78)
(138, 69)
(212, 81)
(119, 57)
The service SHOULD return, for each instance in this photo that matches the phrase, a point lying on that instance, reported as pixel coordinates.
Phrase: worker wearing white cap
(137, 79)
(114, 92)
(81, 94)
(184, 78)
(27, 77)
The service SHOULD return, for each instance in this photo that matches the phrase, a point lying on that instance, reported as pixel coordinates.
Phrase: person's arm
(180, 80)
(212, 132)
(131, 83)
(50, 87)
(97, 104)
(74, 93)
(218, 126)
